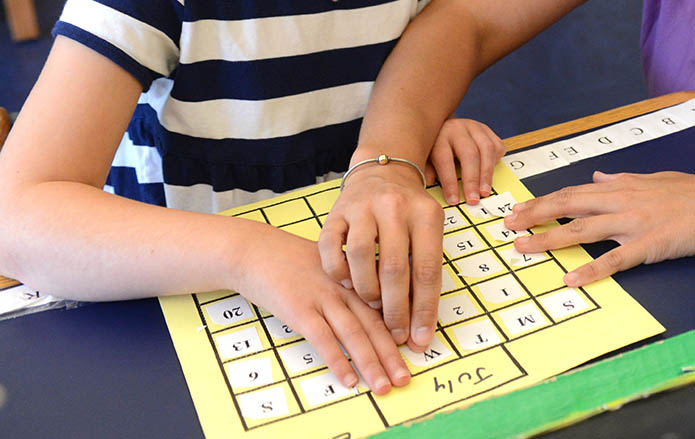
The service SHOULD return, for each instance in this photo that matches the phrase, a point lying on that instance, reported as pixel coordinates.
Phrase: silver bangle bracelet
(383, 159)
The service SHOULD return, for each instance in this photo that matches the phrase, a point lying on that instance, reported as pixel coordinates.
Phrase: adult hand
(476, 147)
(389, 206)
(650, 215)
(291, 284)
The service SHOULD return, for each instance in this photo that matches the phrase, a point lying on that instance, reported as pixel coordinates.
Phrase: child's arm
(61, 233)
(419, 86)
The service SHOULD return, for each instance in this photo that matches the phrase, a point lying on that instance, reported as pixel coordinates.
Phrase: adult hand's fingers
(621, 258)
(381, 339)
(500, 149)
(578, 231)
(353, 337)
(427, 276)
(469, 157)
(442, 159)
(394, 271)
(361, 256)
(488, 157)
(321, 336)
(430, 173)
(330, 245)
(570, 202)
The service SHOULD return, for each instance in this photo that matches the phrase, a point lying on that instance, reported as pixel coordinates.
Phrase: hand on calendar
(291, 284)
(389, 206)
(477, 149)
(650, 215)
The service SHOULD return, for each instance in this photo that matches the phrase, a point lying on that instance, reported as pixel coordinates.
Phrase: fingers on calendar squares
(426, 281)
(333, 260)
(320, 335)
(394, 273)
(577, 231)
(361, 257)
(352, 335)
(491, 150)
(569, 202)
(387, 351)
(431, 174)
(442, 160)
(621, 258)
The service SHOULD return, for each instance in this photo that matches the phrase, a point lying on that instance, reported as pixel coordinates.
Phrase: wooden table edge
(597, 120)
(563, 129)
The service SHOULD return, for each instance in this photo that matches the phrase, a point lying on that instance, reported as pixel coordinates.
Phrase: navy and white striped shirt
(242, 99)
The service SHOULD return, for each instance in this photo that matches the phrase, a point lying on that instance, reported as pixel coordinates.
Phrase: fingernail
(518, 206)
(382, 385)
(511, 217)
(401, 374)
(485, 189)
(347, 283)
(423, 336)
(452, 199)
(522, 240)
(571, 279)
(399, 336)
(473, 196)
(375, 305)
(350, 380)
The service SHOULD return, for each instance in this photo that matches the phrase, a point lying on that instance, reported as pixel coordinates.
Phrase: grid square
(521, 319)
(267, 404)
(241, 341)
(565, 303)
(474, 335)
(479, 267)
(543, 277)
(462, 243)
(500, 292)
(322, 202)
(287, 212)
(456, 307)
(308, 229)
(254, 371)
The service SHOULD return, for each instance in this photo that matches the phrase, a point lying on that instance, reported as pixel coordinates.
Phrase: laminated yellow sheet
(506, 321)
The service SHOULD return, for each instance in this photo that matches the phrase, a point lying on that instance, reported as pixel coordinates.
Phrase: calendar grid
(292, 380)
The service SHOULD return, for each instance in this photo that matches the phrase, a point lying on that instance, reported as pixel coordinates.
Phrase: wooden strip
(596, 120)
(21, 16)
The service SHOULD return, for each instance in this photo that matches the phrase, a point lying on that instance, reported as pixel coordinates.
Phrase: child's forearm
(75, 241)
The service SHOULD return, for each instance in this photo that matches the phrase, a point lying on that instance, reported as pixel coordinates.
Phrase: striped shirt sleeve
(142, 37)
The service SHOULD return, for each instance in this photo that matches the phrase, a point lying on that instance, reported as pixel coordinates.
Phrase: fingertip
(422, 336)
(452, 199)
(485, 189)
(572, 279)
(600, 177)
(472, 198)
(401, 377)
(350, 380)
(346, 283)
(521, 242)
(381, 386)
(400, 336)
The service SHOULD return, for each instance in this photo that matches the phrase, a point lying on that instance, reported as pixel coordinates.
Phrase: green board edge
(567, 398)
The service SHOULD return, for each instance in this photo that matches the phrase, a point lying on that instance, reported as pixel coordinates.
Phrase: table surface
(110, 369)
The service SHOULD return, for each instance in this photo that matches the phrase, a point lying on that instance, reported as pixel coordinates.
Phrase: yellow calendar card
(506, 321)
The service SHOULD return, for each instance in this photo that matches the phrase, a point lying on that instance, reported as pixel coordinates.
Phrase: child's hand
(646, 213)
(476, 148)
(285, 277)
